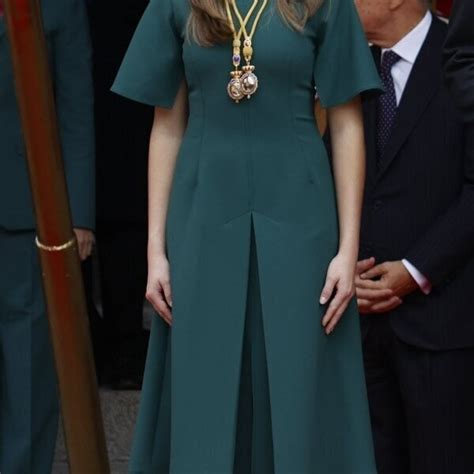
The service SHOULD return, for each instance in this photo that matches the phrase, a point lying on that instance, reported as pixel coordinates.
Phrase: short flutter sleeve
(344, 66)
(152, 69)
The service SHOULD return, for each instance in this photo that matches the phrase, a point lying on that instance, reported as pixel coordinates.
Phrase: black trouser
(122, 253)
(421, 404)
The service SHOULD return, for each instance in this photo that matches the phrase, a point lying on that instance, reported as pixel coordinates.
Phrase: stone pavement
(119, 410)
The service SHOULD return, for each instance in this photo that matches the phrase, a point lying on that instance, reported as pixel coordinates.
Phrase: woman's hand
(158, 291)
(338, 289)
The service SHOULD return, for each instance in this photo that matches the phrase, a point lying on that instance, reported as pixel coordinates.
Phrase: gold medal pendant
(234, 88)
(249, 80)
(244, 83)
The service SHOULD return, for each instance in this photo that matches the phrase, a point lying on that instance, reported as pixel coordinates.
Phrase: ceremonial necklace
(244, 83)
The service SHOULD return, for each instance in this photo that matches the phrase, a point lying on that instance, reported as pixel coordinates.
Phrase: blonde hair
(208, 24)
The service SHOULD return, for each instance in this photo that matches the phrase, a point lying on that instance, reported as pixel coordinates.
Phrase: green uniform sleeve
(344, 66)
(152, 69)
(74, 95)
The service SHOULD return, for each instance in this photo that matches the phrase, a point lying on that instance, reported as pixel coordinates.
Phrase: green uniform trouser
(28, 393)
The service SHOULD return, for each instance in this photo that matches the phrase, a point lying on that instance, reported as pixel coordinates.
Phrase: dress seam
(294, 135)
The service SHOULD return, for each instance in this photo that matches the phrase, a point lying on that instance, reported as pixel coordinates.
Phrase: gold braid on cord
(55, 248)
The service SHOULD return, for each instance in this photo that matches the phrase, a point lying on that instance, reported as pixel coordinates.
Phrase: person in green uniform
(255, 364)
(28, 395)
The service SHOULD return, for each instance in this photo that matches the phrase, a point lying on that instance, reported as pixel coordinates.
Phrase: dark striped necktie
(387, 104)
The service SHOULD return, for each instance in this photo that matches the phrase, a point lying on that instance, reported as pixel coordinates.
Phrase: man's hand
(85, 242)
(380, 288)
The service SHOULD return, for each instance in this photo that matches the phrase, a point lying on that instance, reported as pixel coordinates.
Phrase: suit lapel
(424, 81)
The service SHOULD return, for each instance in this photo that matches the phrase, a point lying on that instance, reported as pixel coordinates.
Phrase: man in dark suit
(459, 57)
(416, 274)
(28, 395)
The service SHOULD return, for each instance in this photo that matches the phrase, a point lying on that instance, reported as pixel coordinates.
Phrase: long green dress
(251, 229)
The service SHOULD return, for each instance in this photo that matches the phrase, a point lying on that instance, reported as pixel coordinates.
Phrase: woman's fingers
(337, 317)
(167, 293)
(338, 304)
(328, 290)
(156, 296)
(164, 310)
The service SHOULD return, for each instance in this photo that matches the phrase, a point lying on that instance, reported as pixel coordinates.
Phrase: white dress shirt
(408, 49)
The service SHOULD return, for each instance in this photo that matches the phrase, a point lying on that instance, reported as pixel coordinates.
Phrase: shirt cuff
(423, 282)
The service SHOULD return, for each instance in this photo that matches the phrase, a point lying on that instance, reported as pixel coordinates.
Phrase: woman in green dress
(253, 238)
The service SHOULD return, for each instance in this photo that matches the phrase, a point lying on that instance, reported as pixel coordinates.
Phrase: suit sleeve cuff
(423, 282)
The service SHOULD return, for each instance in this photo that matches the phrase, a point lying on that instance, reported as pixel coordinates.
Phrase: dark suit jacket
(459, 57)
(123, 126)
(66, 30)
(420, 205)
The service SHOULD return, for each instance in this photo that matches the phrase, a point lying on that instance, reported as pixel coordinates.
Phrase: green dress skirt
(246, 381)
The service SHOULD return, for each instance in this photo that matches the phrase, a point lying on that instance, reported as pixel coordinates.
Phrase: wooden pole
(63, 284)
